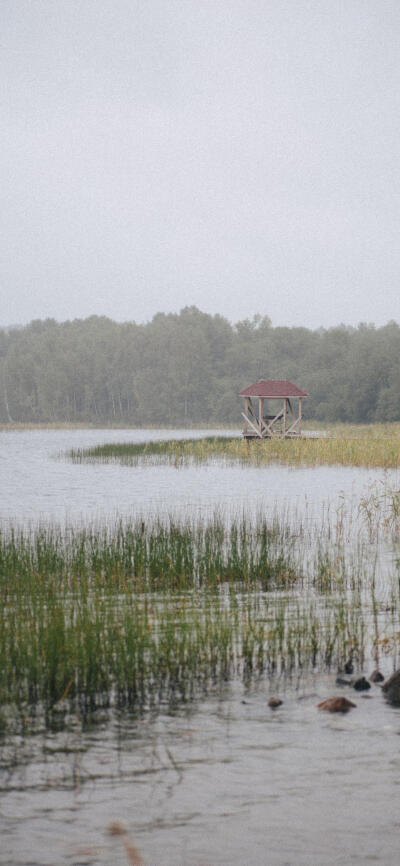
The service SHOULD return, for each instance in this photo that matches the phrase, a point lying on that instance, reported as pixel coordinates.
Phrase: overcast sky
(239, 155)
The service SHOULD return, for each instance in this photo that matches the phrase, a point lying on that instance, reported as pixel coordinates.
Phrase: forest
(187, 368)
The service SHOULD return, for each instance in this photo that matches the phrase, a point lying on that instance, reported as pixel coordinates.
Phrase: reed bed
(139, 616)
(373, 446)
(147, 554)
(142, 654)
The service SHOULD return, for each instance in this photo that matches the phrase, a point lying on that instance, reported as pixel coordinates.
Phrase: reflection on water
(226, 780)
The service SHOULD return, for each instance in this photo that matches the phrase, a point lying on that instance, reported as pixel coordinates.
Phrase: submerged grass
(142, 653)
(138, 616)
(371, 446)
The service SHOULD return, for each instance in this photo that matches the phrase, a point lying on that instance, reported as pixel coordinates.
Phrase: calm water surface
(227, 780)
(37, 484)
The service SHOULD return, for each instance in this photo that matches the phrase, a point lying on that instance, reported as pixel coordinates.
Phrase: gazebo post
(300, 413)
(284, 415)
(246, 412)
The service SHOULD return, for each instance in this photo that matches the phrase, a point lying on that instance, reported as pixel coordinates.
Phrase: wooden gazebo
(283, 422)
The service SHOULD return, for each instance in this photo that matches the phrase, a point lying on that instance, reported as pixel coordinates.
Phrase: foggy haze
(239, 155)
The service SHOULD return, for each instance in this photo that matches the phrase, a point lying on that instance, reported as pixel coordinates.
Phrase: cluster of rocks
(360, 684)
(390, 688)
(340, 704)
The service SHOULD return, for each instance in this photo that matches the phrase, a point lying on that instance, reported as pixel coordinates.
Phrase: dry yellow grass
(374, 445)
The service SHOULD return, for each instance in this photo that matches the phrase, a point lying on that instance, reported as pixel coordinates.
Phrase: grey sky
(240, 155)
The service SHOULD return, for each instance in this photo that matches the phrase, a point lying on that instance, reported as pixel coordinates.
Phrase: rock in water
(376, 677)
(336, 705)
(274, 703)
(361, 685)
(391, 688)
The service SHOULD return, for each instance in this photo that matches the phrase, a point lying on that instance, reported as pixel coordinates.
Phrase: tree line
(187, 368)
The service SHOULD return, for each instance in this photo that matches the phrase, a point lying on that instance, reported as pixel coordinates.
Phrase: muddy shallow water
(226, 780)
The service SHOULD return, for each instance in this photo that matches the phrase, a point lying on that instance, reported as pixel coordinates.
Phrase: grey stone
(376, 677)
(391, 688)
(361, 685)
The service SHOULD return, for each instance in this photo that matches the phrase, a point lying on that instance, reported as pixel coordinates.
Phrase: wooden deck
(305, 434)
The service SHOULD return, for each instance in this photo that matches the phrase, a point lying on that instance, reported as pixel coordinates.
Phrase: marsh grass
(134, 617)
(370, 446)
(43, 425)
(128, 612)
(146, 555)
(139, 654)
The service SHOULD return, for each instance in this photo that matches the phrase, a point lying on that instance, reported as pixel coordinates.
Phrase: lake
(224, 780)
(36, 484)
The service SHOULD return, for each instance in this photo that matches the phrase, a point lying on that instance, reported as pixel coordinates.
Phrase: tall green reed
(145, 614)
(146, 554)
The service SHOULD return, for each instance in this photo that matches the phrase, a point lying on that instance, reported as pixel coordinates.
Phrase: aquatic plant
(142, 615)
(372, 446)
(147, 554)
(140, 653)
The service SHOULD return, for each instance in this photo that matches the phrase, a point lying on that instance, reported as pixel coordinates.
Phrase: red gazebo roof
(273, 388)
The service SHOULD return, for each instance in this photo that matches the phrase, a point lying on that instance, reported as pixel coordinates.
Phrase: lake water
(36, 484)
(225, 780)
